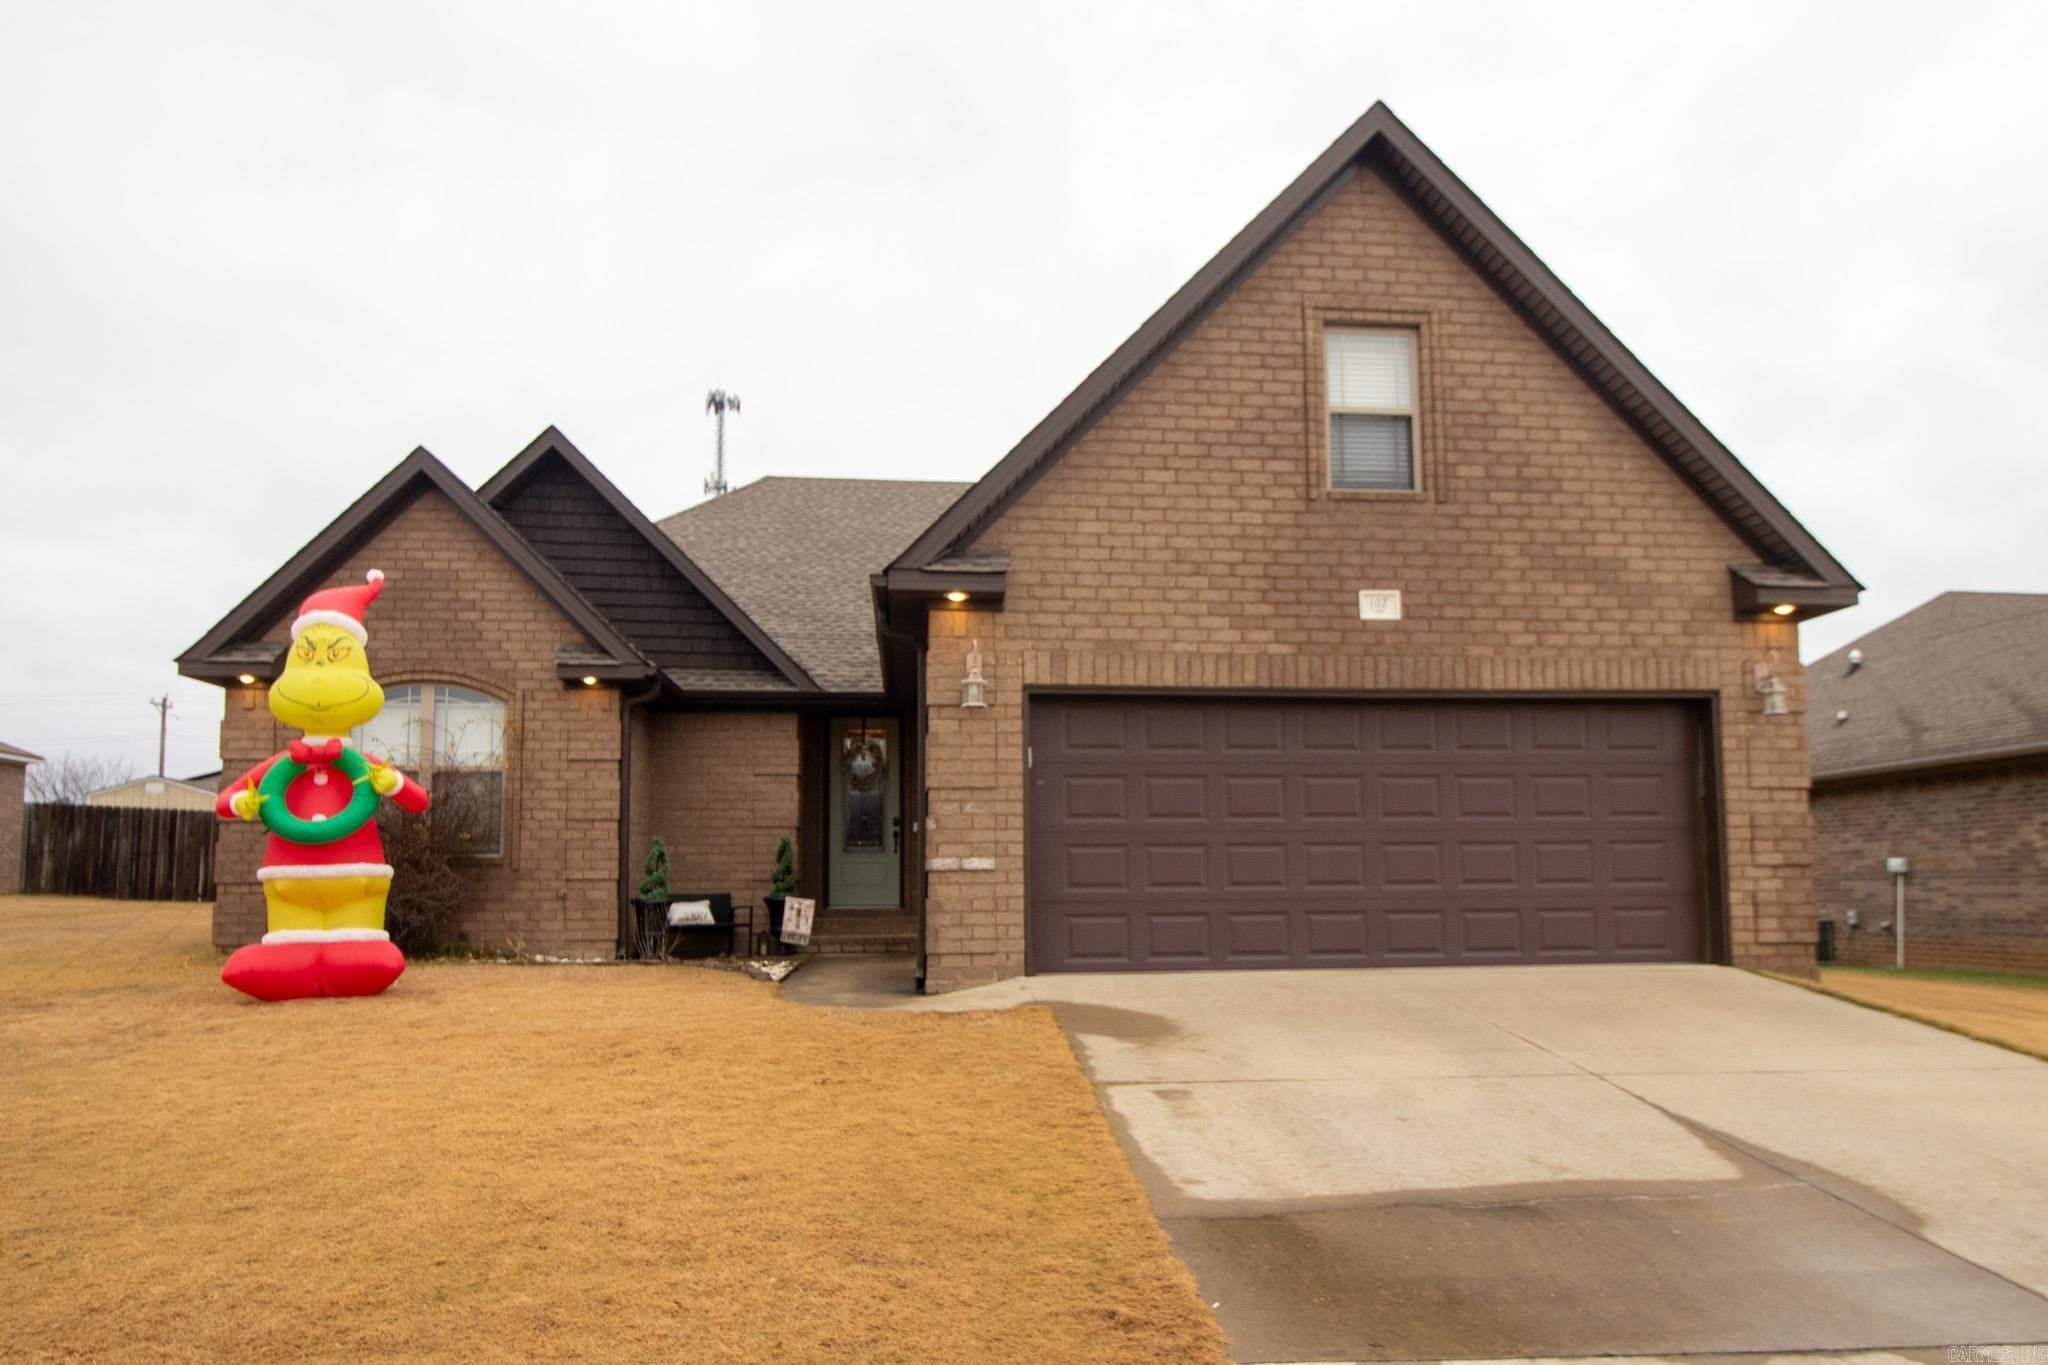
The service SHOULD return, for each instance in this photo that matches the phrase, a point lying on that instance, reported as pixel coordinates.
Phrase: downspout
(627, 706)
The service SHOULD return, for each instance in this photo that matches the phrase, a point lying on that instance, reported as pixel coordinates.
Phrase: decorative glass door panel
(864, 854)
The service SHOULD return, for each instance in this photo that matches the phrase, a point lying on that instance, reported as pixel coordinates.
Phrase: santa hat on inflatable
(342, 607)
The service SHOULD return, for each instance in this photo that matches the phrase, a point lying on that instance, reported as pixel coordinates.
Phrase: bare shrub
(432, 870)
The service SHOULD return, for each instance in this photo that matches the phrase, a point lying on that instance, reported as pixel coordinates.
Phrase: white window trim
(1413, 412)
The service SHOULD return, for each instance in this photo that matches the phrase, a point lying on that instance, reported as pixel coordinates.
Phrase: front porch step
(863, 931)
(847, 946)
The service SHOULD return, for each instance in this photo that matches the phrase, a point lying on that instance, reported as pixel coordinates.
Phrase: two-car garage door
(1192, 835)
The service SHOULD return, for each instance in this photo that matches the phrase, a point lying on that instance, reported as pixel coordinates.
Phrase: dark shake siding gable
(621, 575)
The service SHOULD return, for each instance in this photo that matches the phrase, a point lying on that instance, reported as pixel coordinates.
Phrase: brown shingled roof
(1961, 679)
(795, 555)
(10, 754)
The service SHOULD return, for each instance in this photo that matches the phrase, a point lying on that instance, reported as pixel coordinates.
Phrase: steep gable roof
(231, 646)
(642, 580)
(1960, 679)
(797, 554)
(1381, 140)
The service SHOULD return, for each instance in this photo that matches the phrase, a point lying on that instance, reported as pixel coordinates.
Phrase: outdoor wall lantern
(974, 687)
(1772, 689)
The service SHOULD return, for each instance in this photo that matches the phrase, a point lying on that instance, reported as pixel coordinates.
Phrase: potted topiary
(652, 901)
(781, 885)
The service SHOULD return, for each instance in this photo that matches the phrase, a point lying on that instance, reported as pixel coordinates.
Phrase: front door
(864, 859)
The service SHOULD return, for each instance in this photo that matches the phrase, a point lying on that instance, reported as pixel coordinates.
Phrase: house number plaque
(1379, 604)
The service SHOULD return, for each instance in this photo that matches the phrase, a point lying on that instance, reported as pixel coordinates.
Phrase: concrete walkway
(1565, 1161)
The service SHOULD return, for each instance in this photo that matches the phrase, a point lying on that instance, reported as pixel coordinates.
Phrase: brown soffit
(1760, 588)
(552, 441)
(1497, 254)
(304, 571)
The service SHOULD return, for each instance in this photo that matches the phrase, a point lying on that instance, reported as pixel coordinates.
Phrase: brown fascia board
(1499, 256)
(1759, 587)
(1933, 765)
(552, 441)
(304, 570)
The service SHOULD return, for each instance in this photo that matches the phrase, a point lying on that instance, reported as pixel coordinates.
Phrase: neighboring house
(13, 779)
(1930, 743)
(1370, 605)
(154, 793)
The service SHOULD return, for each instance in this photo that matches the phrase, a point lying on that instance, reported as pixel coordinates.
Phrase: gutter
(1940, 763)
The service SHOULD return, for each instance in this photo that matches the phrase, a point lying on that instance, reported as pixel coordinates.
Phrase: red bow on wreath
(327, 751)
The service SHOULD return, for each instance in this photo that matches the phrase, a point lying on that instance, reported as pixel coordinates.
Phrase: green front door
(864, 857)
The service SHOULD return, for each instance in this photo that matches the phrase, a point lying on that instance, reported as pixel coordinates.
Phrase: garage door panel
(1333, 796)
(1173, 729)
(1175, 796)
(1254, 796)
(1409, 796)
(1230, 834)
(1337, 937)
(1491, 935)
(1178, 938)
(1259, 937)
(1096, 797)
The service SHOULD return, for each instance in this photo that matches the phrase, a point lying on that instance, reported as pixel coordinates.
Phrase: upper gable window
(1371, 388)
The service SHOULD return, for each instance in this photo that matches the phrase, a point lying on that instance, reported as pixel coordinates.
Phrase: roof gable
(642, 581)
(232, 645)
(1491, 249)
(1961, 679)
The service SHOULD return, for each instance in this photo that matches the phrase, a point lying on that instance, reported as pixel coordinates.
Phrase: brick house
(1930, 743)
(1370, 605)
(13, 783)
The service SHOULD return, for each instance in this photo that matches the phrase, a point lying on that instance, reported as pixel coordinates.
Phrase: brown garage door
(1194, 835)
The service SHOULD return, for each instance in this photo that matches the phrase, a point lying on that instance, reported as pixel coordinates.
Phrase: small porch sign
(797, 912)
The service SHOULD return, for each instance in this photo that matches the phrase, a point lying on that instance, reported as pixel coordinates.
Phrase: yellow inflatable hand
(248, 803)
(384, 778)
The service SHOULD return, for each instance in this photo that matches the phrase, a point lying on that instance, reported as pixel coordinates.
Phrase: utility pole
(163, 728)
(719, 402)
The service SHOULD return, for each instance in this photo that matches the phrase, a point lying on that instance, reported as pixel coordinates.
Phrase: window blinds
(1370, 452)
(1371, 370)
(1374, 371)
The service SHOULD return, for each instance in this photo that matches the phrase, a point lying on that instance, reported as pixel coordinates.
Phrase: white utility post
(1898, 867)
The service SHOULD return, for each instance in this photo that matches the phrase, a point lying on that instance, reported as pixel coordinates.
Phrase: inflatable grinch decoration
(324, 876)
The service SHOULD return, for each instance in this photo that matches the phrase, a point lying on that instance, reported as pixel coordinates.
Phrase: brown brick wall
(722, 787)
(13, 776)
(454, 610)
(1977, 894)
(1183, 543)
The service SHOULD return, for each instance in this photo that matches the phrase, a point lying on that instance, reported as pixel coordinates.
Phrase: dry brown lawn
(510, 1162)
(1994, 1010)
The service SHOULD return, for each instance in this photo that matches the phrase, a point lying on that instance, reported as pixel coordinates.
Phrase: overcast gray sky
(250, 255)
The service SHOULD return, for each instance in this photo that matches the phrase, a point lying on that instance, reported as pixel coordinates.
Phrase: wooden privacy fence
(121, 851)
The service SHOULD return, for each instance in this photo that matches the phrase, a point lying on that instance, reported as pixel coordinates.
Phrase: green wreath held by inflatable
(278, 819)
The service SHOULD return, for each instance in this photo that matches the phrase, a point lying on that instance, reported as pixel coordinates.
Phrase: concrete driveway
(1489, 1162)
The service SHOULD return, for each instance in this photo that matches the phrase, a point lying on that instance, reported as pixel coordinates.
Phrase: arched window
(452, 740)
